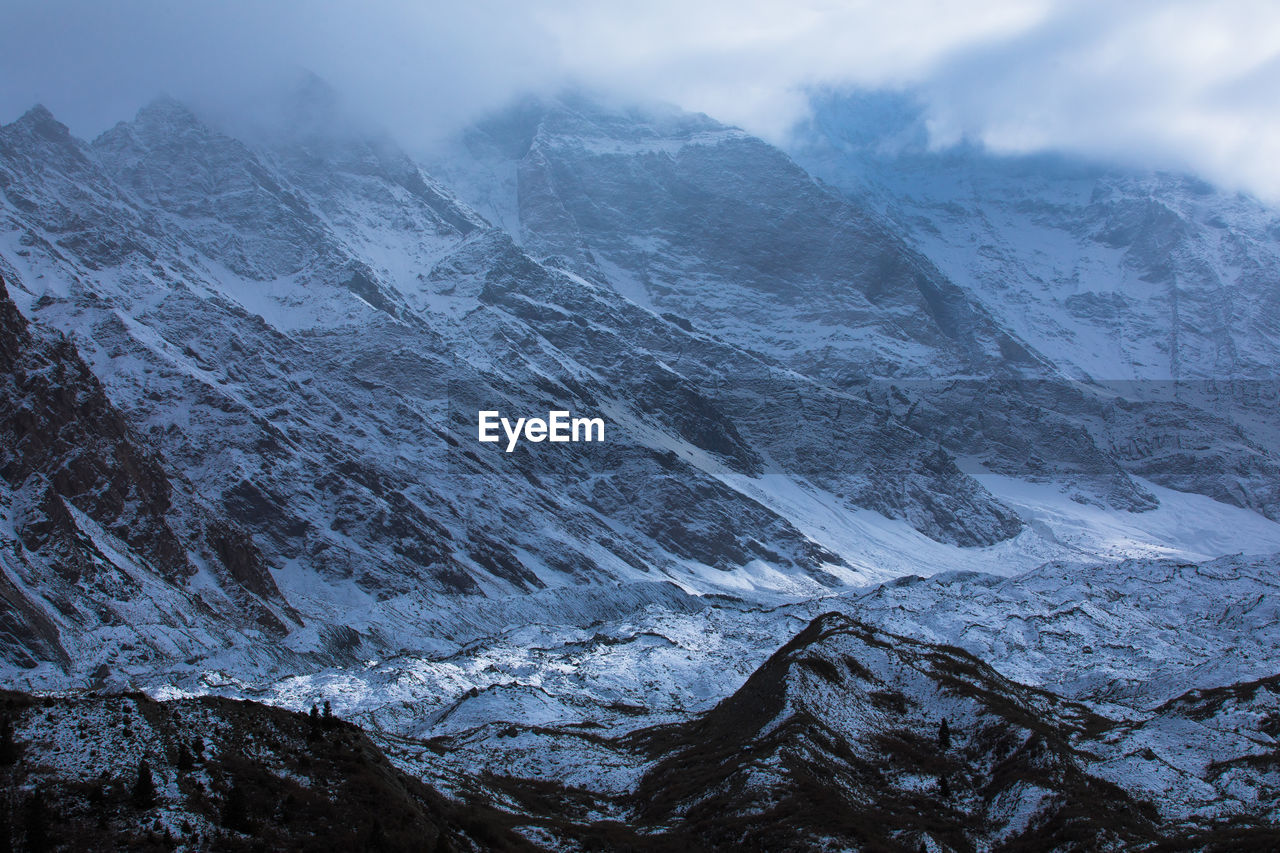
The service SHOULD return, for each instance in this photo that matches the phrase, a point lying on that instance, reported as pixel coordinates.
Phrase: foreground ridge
(847, 737)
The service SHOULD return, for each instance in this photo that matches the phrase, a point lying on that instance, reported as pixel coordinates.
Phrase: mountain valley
(892, 436)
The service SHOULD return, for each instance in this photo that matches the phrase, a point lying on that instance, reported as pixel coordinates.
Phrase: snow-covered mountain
(1156, 285)
(594, 736)
(1115, 273)
(302, 331)
(305, 334)
(713, 226)
(242, 377)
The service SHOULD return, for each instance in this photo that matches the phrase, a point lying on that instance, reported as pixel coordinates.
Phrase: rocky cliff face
(239, 408)
(66, 440)
(703, 222)
(302, 326)
(1117, 274)
(103, 554)
(302, 331)
(1158, 287)
(692, 217)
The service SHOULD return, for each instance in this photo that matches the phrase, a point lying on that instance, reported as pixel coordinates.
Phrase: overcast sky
(1168, 84)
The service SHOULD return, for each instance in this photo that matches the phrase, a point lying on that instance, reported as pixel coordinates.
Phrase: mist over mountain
(1119, 273)
(894, 433)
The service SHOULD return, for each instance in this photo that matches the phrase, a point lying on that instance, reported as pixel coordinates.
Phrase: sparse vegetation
(144, 788)
(9, 750)
(286, 793)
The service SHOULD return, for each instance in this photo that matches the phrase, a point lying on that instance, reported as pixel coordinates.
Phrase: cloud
(752, 63)
(414, 65)
(1175, 83)
(1179, 85)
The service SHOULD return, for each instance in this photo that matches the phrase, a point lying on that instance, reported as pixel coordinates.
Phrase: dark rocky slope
(78, 478)
(224, 775)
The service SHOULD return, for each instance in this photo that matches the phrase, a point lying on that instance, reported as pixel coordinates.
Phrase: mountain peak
(161, 120)
(313, 97)
(577, 115)
(166, 111)
(39, 121)
(308, 110)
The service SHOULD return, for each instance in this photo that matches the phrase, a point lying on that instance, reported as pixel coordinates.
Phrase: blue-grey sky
(1168, 83)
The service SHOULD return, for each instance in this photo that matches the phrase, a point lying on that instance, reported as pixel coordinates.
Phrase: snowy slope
(1115, 273)
(301, 328)
(265, 355)
(1158, 286)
